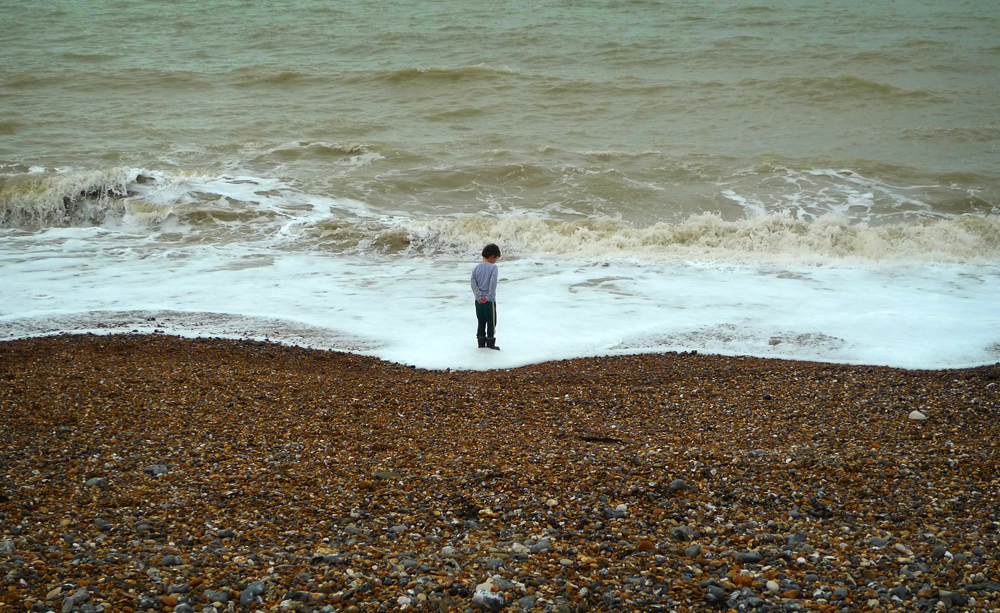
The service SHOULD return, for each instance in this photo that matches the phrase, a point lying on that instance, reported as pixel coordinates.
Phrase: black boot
(492, 343)
(481, 340)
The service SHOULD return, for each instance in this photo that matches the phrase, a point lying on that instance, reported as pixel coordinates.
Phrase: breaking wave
(963, 239)
(216, 210)
(39, 200)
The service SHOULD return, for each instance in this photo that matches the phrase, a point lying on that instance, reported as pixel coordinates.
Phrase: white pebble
(917, 416)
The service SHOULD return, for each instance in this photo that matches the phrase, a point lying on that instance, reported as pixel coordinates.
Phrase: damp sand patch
(183, 323)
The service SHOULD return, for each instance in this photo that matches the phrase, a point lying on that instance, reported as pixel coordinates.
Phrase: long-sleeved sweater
(484, 281)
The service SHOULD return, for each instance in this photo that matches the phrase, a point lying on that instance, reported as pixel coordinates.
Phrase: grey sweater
(484, 281)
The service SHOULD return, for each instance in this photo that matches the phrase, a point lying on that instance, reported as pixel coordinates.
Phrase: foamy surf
(829, 240)
(418, 310)
(271, 212)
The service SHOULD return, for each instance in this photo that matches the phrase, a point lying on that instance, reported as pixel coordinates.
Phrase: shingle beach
(148, 472)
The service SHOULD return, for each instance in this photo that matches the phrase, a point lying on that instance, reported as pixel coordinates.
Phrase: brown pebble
(282, 445)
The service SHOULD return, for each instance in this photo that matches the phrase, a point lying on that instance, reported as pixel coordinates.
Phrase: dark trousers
(486, 313)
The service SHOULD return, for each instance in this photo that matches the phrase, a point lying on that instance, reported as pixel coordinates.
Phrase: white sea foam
(708, 236)
(419, 310)
(239, 255)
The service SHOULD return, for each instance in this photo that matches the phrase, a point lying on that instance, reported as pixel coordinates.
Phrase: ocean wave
(458, 114)
(62, 199)
(268, 77)
(983, 134)
(433, 75)
(138, 197)
(320, 151)
(815, 214)
(107, 80)
(963, 239)
(88, 57)
(844, 89)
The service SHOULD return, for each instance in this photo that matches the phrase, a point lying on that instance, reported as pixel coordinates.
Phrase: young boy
(484, 286)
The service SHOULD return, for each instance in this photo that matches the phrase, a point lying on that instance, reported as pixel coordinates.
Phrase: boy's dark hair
(491, 250)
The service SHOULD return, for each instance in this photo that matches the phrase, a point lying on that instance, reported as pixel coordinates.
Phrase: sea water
(789, 179)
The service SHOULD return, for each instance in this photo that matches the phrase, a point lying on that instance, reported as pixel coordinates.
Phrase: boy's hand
(482, 301)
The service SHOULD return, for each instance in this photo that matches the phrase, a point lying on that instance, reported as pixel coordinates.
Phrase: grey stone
(540, 546)
(448, 550)
(398, 529)
(220, 596)
(939, 552)
(494, 564)
(682, 533)
(471, 525)
(247, 598)
(169, 560)
(146, 602)
(503, 584)
(715, 594)
(528, 602)
(95, 481)
(693, 551)
(183, 608)
(305, 597)
(155, 470)
(878, 542)
(182, 588)
(749, 557)
(978, 551)
(489, 601)
(7, 547)
(257, 588)
(614, 514)
(353, 530)
(900, 591)
(76, 599)
(797, 537)
(841, 593)
(678, 485)
(225, 534)
(956, 599)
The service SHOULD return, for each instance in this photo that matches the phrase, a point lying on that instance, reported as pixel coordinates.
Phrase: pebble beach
(156, 473)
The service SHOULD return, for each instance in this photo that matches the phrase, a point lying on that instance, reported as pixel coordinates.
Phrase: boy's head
(491, 251)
